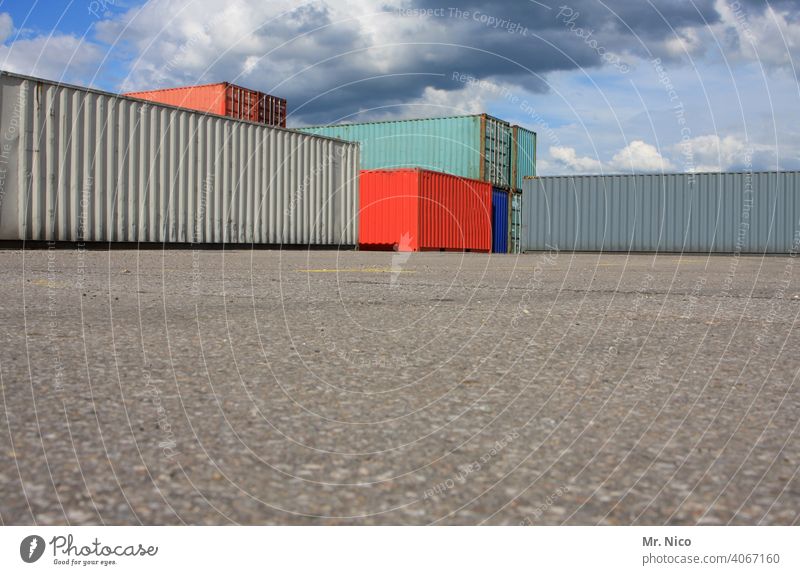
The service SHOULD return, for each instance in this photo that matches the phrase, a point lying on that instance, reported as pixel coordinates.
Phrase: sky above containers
(618, 86)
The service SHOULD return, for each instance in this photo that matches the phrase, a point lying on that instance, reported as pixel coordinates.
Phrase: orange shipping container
(223, 99)
(413, 210)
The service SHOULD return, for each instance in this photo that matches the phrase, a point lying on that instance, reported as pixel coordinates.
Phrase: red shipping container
(223, 99)
(411, 210)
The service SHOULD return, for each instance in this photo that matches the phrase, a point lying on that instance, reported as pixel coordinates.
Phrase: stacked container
(418, 210)
(85, 165)
(477, 147)
(523, 155)
(223, 99)
(523, 165)
(499, 221)
(515, 224)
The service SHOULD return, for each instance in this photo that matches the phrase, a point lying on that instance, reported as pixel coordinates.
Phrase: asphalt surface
(337, 387)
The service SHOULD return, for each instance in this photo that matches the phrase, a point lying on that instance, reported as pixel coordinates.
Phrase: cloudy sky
(610, 86)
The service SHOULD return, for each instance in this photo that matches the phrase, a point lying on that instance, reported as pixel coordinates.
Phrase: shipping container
(515, 224)
(500, 216)
(523, 155)
(417, 210)
(477, 147)
(85, 165)
(705, 213)
(223, 99)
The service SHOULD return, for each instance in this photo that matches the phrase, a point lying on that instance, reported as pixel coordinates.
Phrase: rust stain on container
(223, 99)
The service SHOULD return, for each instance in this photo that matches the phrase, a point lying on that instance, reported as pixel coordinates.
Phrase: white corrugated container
(85, 165)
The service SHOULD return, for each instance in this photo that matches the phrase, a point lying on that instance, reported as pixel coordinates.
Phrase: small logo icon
(403, 251)
(31, 548)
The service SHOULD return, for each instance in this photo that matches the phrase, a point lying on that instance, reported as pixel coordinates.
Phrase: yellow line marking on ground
(687, 262)
(358, 270)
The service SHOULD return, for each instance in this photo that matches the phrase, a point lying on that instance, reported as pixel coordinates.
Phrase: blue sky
(610, 87)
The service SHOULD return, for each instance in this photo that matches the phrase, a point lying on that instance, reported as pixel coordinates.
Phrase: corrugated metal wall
(516, 224)
(389, 214)
(524, 150)
(452, 145)
(497, 151)
(454, 212)
(709, 212)
(88, 165)
(499, 221)
(412, 210)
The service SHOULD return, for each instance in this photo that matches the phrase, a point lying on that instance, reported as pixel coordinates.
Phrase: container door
(516, 222)
(496, 150)
(499, 221)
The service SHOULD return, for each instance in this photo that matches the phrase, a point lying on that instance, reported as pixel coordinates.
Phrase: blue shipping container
(499, 221)
(478, 147)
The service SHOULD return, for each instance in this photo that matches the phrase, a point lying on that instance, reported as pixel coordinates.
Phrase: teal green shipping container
(523, 155)
(478, 147)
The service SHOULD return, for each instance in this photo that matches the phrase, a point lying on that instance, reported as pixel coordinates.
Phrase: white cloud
(56, 56)
(639, 156)
(566, 160)
(771, 36)
(435, 102)
(712, 153)
(706, 153)
(636, 157)
(6, 26)
(685, 42)
(190, 38)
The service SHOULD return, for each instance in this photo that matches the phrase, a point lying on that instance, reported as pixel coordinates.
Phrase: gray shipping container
(84, 165)
(709, 212)
(515, 223)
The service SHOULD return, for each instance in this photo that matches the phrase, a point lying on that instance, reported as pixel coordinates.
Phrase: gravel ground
(337, 387)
